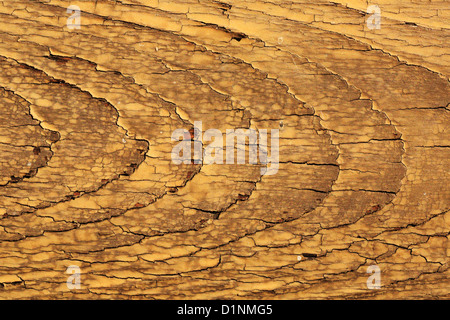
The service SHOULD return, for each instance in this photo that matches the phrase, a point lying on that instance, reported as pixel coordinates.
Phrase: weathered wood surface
(87, 178)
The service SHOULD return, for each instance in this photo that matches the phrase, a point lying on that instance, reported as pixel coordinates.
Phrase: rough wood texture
(86, 176)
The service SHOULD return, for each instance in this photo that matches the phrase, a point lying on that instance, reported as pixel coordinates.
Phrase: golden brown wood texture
(87, 179)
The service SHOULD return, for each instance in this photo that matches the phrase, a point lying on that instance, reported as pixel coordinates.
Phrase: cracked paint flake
(87, 179)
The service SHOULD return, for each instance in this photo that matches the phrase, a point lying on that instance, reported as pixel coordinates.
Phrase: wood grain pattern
(87, 178)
